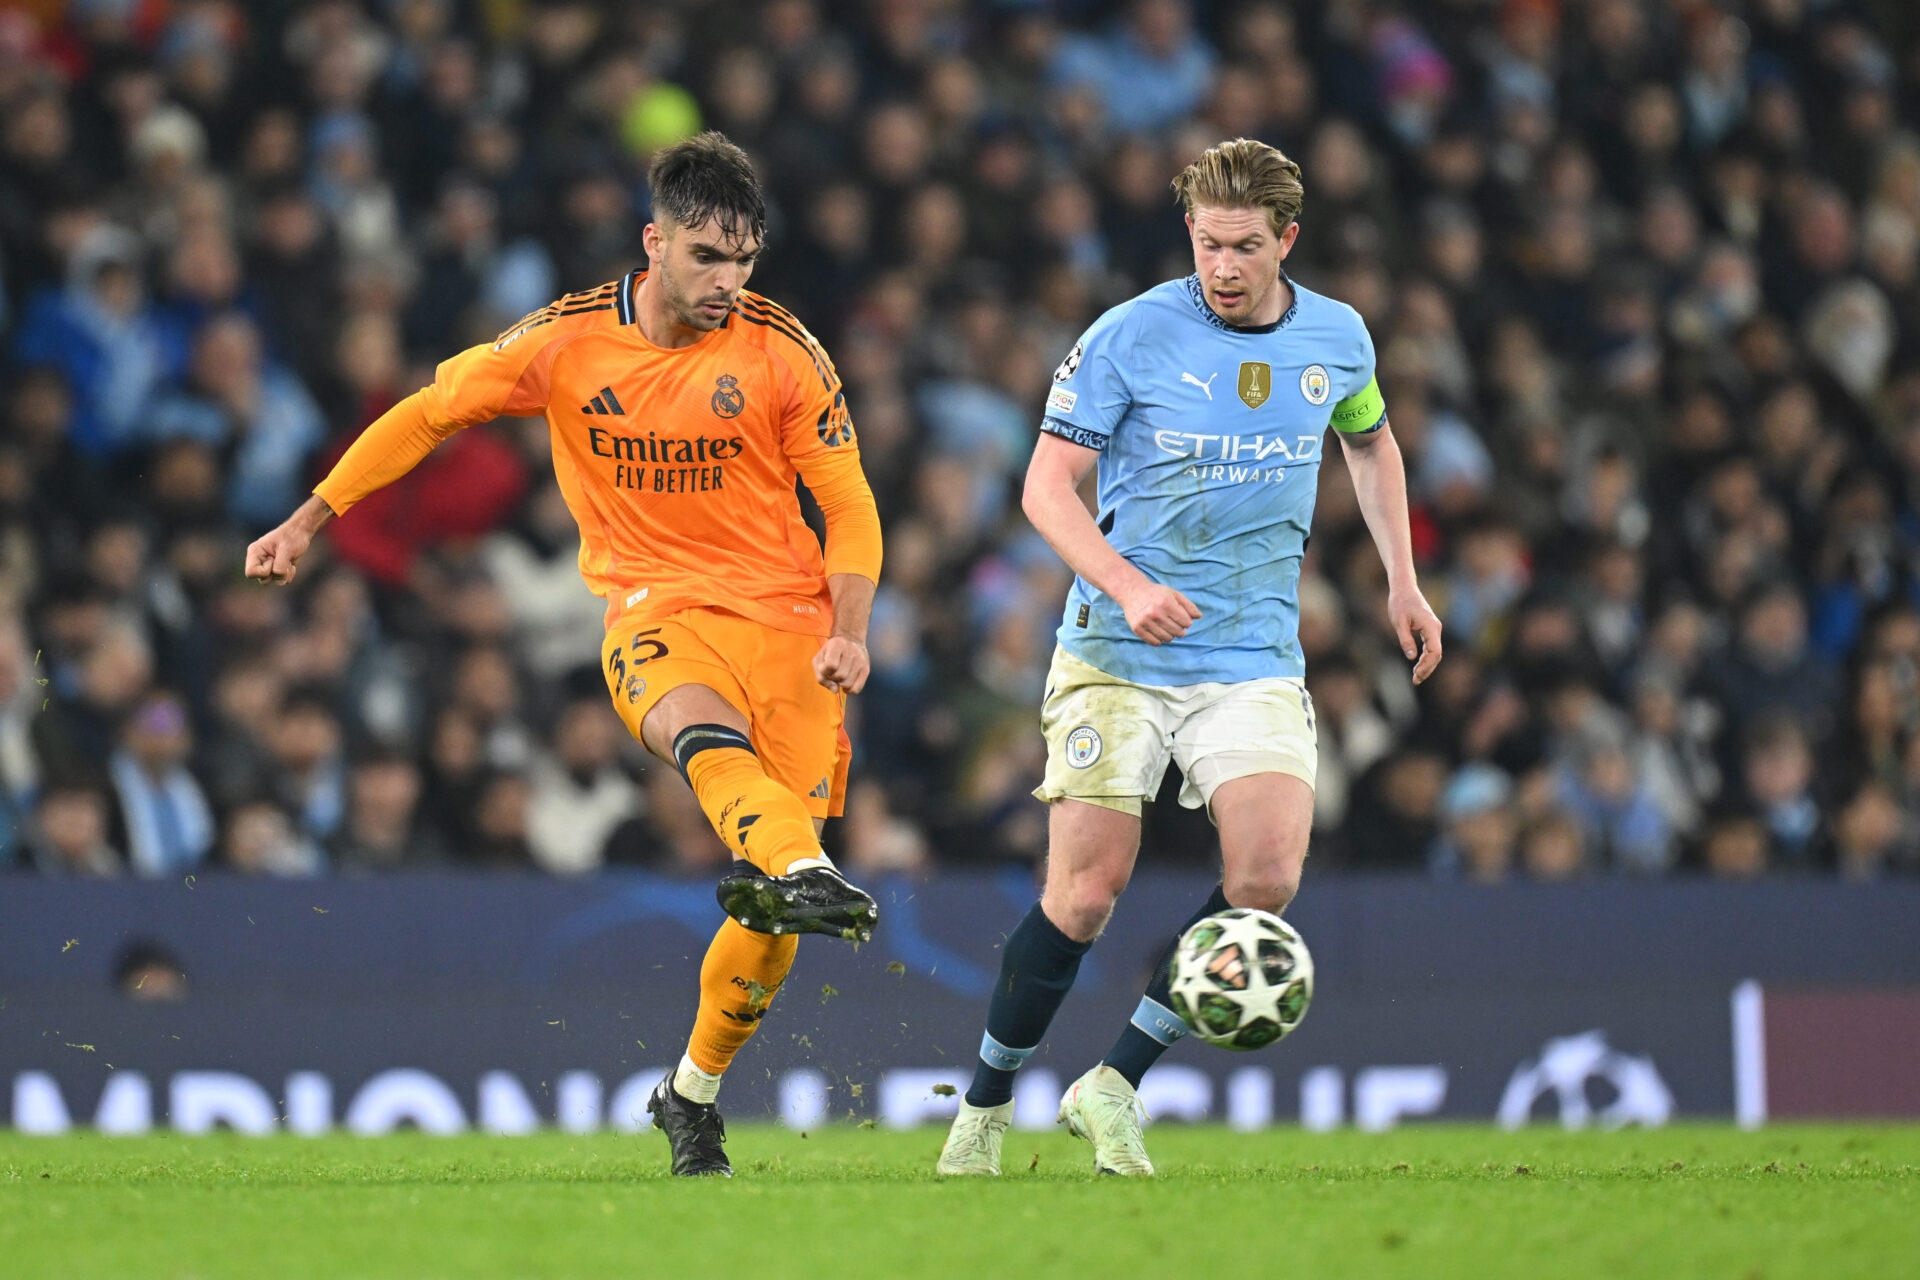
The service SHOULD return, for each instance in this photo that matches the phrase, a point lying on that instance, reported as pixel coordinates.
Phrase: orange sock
(738, 979)
(759, 819)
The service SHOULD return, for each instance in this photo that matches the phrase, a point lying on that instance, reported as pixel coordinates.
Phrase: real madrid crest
(728, 398)
(1315, 384)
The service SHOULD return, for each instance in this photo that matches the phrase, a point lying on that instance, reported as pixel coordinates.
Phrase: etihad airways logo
(1204, 448)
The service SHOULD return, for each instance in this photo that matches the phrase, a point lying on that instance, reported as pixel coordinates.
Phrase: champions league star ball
(1241, 979)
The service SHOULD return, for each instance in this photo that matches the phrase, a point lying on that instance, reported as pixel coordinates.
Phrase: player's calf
(1155, 1027)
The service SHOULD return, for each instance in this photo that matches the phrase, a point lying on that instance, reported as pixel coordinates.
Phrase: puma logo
(1206, 386)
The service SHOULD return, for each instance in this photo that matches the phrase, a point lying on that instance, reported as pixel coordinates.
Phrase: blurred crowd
(1641, 275)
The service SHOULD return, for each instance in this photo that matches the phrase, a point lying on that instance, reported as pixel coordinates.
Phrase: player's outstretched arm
(1380, 483)
(274, 556)
(1156, 613)
(390, 447)
(478, 384)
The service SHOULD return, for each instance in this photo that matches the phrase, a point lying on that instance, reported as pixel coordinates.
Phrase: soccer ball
(1241, 979)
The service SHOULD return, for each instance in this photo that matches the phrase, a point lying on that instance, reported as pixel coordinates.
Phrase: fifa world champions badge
(1256, 382)
(728, 398)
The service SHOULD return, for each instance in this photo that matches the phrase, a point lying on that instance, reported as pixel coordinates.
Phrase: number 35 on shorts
(623, 665)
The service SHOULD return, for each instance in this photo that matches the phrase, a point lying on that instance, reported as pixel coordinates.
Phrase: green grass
(1440, 1201)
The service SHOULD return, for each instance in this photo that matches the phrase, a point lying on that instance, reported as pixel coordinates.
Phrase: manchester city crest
(1315, 385)
(1083, 746)
(728, 398)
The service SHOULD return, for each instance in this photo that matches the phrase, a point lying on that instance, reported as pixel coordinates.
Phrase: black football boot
(694, 1130)
(813, 900)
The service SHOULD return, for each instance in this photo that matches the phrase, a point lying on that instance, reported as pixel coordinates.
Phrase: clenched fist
(275, 556)
(1158, 614)
(841, 665)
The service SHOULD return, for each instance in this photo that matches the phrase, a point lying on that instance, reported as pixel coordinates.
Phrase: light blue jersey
(1210, 440)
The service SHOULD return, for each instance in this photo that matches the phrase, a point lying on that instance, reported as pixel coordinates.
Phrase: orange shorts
(798, 728)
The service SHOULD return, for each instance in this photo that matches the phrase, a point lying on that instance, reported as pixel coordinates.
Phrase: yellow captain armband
(1363, 411)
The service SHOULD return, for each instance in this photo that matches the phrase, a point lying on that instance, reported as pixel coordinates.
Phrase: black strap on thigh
(695, 738)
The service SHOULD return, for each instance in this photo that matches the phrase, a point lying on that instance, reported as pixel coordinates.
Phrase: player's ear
(653, 238)
(1287, 238)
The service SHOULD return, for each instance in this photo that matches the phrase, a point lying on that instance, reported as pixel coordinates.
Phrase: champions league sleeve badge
(1070, 365)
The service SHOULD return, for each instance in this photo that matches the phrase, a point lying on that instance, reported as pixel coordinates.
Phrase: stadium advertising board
(452, 1004)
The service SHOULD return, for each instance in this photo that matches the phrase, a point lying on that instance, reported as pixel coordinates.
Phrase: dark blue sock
(1155, 1026)
(1037, 967)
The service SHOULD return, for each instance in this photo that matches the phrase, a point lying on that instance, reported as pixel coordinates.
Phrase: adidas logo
(822, 791)
(605, 402)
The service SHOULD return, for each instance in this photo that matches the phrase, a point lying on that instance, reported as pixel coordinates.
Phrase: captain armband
(1362, 412)
(1074, 435)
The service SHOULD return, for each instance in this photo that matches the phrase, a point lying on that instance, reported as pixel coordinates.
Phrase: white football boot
(1103, 1108)
(973, 1144)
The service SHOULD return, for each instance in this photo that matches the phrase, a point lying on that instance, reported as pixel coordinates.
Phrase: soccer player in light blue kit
(1205, 403)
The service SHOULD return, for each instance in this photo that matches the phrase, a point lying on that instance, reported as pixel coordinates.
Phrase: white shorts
(1109, 740)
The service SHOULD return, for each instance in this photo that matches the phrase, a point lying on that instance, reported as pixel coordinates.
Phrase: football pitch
(848, 1202)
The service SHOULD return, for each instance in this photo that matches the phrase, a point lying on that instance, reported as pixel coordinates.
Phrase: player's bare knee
(1081, 907)
(1269, 886)
(1086, 917)
(1095, 897)
(686, 705)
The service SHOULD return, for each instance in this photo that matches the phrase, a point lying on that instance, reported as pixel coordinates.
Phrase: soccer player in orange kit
(681, 409)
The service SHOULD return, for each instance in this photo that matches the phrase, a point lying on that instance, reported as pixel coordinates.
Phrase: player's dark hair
(707, 178)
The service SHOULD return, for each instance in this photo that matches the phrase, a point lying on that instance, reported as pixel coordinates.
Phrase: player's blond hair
(1243, 174)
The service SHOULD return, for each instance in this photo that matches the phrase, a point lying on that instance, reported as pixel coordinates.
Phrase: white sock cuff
(694, 1084)
(819, 860)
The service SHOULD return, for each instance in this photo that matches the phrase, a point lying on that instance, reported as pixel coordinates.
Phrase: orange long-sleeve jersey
(678, 463)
